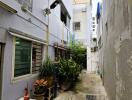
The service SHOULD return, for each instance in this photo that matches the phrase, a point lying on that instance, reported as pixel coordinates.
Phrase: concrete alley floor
(88, 88)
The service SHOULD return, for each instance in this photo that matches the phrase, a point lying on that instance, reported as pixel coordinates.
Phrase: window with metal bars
(22, 57)
(76, 26)
(60, 53)
(36, 57)
(27, 53)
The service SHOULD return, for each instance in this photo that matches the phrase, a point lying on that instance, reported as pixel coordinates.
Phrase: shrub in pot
(78, 54)
(47, 72)
(68, 72)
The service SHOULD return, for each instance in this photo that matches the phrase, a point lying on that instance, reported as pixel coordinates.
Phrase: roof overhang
(23, 35)
(7, 7)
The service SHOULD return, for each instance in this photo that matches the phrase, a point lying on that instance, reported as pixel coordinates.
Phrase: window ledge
(22, 78)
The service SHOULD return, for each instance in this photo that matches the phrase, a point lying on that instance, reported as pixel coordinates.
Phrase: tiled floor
(89, 88)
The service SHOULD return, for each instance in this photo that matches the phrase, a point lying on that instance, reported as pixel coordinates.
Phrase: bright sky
(94, 9)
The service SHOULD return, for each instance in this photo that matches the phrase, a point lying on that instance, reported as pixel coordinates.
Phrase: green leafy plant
(47, 72)
(78, 54)
(47, 69)
(68, 70)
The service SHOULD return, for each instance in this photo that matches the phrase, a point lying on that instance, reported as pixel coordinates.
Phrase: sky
(94, 8)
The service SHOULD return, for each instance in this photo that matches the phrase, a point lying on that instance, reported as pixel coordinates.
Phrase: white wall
(82, 13)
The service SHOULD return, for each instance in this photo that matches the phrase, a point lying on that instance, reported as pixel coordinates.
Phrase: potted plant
(40, 89)
(68, 72)
(47, 72)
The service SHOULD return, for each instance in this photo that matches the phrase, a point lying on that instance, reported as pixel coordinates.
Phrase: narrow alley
(65, 49)
(89, 87)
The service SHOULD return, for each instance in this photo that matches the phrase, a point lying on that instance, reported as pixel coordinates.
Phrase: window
(76, 26)
(93, 18)
(28, 55)
(61, 53)
(93, 26)
(27, 3)
(22, 57)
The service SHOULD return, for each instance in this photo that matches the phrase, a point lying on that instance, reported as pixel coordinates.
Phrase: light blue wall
(36, 28)
(12, 91)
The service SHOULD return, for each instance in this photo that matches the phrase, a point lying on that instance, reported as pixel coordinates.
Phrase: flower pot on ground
(40, 86)
(40, 89)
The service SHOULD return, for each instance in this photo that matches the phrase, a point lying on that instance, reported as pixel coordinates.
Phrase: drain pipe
(47, 36)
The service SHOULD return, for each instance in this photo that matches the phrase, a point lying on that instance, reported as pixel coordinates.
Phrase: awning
(26, 36)
(7, 7)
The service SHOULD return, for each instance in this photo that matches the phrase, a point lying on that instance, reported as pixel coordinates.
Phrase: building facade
(82, 22)
(28, 33)
(82, 25)
(115, 48)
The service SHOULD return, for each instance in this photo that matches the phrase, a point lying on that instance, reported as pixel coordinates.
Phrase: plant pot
(39, 96)
(50, 81)
(65, 85)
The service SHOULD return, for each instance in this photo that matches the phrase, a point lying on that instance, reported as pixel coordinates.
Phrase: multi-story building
(115, 48)
(82, 25)
(82, 21)
(29, 31)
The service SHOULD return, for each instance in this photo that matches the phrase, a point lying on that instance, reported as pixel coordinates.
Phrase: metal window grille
(36, 57)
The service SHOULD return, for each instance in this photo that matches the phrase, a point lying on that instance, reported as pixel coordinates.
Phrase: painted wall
(36, 27)
(117, 47)
(82, 13)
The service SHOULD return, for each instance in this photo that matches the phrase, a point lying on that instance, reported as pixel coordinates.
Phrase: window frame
(26, 76)
(74, 26)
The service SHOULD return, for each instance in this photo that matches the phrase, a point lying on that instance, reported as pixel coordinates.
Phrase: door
(1, 56)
